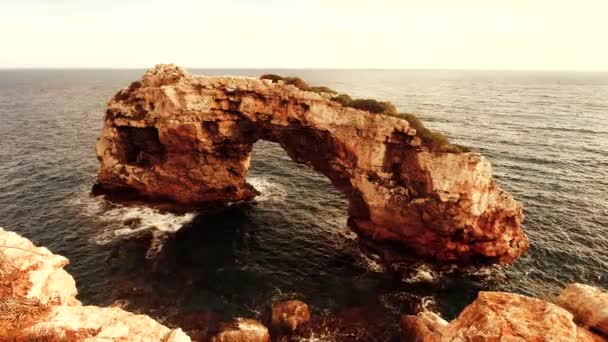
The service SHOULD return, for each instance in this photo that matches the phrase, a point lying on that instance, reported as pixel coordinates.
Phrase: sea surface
(546, 134)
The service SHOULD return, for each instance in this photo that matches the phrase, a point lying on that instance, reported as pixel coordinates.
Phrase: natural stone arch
(188, 139)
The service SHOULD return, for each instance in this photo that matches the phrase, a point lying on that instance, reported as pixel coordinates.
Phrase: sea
(546, 134)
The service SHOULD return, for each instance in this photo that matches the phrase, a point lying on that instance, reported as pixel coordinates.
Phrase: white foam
(269, 191)
(428, 303)
(422, 274)
(130, 220)
(371, 262)
(123, 221)
(327, 337)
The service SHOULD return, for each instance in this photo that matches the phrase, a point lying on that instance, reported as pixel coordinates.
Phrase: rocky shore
(38, 303)
(580, 313)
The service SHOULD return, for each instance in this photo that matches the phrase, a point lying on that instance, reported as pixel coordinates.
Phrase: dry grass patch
(16, 311)
(19, 312)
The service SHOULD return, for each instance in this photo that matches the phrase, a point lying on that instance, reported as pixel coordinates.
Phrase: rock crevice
(188, 139)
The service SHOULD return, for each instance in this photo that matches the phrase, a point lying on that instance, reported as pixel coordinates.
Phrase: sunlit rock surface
(289, 315)
(242, 330)
(498, 316)
(188, 139)
(588, 304)
(38, 302)
(34, 272)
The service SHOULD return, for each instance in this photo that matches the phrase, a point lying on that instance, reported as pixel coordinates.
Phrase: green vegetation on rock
(433, 140)
(323, 90)
(298, 83)
(370, 105)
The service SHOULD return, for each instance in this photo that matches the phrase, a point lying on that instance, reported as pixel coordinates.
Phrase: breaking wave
(124, 221)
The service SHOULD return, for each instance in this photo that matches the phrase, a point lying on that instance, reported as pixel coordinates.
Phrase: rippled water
(546, 134)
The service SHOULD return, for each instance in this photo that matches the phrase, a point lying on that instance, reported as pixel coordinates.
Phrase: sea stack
(187, 139)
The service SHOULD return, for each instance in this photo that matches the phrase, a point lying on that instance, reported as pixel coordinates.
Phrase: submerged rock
(242, 330)
(588, 304)
(289, 315)
(188, 139)
(38, 302)
(498, 316)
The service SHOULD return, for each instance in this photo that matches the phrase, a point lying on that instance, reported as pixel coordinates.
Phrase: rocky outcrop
(498, 316)
(289, 315)
(38, 302)
(172, 136)
(588, 304)
(242, 330)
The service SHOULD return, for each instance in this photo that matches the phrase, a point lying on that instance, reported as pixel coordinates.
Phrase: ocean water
(546, 134)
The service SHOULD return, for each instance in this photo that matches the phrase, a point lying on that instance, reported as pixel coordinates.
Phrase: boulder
(289, 315)
(498, 316)
(242, 330)
(588, 305)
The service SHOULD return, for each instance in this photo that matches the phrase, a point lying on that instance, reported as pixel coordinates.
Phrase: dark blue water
(546, 134)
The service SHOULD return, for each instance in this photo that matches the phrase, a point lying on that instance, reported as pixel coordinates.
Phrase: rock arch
(188, 139)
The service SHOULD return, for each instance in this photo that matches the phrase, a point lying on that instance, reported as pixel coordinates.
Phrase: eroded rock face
(38, 302)
(188, 139)
(498, 316)
(588, 304)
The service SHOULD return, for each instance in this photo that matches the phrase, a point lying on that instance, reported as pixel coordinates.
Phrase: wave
(370, 262)
(269, 190)
(421, 274)
(121, 221)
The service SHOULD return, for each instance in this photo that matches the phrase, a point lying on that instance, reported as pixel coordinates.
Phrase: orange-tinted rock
(289, 315)
(588, 304)
(498, 316)
(38, 303)
(172, 136)
(242, 330)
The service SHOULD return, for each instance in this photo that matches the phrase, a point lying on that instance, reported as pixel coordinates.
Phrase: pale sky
(412, 34)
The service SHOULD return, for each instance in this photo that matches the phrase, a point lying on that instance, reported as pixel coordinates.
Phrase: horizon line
(306, 68)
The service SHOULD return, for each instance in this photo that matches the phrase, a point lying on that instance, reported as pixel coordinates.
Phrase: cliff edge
(38, 302)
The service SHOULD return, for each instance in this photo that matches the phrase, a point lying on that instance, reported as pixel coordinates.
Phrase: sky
(387, 34)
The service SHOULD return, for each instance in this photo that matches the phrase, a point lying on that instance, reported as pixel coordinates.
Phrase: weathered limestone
(172, 136)
(498, 316)
(588, 304)
(38, 302)
(34, 272)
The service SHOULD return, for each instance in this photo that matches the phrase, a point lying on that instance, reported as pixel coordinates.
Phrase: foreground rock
(38, 302)
(498, 316)
(171, 136)
(242, 330)
(588, 304)
(289, 315)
